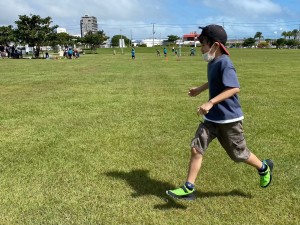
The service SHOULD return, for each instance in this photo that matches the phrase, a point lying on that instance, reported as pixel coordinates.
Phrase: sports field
(100, 139)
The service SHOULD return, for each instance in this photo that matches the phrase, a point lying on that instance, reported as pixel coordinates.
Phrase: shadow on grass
(233, 193)
(143, 185)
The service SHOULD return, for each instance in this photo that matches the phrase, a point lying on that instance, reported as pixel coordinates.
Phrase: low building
(152, 42)
(190, 39)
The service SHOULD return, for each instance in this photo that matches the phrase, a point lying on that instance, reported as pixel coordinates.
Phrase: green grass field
(100, 139)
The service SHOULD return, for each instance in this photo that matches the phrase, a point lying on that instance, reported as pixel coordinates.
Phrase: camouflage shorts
(230, 136)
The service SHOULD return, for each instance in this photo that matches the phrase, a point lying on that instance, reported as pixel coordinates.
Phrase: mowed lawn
(100, 139)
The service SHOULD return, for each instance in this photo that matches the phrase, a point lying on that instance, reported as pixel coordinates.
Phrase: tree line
(37, 31)
(290, 39)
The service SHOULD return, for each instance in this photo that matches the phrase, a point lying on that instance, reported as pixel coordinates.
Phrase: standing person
(192, 52)
(132, 53)
(76, 53)
(157, 52)
(1, 50)
(8, 49)
(13, 51)
(165, 52)
(222, 114)
(70, 53)
(65, 55)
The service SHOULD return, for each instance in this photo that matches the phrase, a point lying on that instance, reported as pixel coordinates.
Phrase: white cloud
(10, 11)
(112, 9)
(245, 8)
(135, 16)
(67, 13)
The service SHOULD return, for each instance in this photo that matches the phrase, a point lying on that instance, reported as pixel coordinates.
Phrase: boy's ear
(216, 46)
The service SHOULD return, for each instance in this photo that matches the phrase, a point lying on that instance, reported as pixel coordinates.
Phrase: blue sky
(135, 18)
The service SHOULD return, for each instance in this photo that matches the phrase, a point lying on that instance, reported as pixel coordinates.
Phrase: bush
(263, 45)
(142, 45)
(292, 43)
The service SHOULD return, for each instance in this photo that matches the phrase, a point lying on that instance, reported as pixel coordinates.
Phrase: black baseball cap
(217, 34)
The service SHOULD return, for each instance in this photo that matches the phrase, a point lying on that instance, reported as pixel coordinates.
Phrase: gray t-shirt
(222, 75)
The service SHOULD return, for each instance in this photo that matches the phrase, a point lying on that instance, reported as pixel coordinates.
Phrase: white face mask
(208, 57)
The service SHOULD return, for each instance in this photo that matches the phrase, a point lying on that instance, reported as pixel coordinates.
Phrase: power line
(169, 25)
(266, 27)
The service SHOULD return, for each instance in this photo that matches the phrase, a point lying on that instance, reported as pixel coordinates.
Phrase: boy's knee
(240, 156)
(195, 152)
(237, 159)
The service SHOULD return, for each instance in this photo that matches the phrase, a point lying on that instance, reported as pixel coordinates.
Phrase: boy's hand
(204, 109)
(194, 92)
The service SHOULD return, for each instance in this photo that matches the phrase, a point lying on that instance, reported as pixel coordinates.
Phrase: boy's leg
(231, 137)
(194, 166)
(254, 161)
(187, 190)
(264, 168)
(203, 137)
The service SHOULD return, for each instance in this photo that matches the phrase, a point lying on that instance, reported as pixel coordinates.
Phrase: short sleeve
(230, 79)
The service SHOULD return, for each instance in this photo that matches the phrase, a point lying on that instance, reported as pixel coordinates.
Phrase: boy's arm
(197, 90)
(204, 109)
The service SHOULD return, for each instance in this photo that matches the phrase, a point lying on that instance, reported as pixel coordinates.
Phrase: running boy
(222, 114)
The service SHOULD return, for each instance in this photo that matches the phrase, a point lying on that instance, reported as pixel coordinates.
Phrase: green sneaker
(266, 176)
(182, 193)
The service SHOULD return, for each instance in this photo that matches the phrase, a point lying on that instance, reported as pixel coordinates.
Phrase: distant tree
(6, 34)
(77, 40)
(172, 38)
(95, 39)
(115, 40)
(289, 34)
(248, 42)
(268, 40)
(292, 43)
(34, 30)
(280, 42)
(295, 33)
(62, 39)
(259, 36)
(284, 34)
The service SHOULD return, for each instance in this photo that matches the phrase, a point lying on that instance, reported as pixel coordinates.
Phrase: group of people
(69, 53)
(10, 52)
(175, 51)
(157, 53)
(165, 52)
(16, 53)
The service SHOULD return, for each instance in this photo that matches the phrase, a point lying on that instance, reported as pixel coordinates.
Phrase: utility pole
(130, 38)
(153, 32)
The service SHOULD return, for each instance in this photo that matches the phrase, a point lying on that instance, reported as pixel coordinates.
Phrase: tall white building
(88, 23)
